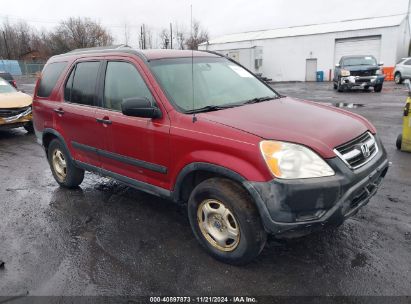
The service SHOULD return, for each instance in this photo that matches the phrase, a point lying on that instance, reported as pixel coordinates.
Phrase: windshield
(218, 82)
(361, 60)
(5, 87)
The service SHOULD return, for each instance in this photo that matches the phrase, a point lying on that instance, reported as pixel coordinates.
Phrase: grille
(362, 73)
(5, 113)
(358, 151)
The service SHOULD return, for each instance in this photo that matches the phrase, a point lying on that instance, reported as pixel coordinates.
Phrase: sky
(219, 17)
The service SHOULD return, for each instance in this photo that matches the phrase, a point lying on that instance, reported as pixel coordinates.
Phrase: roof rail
(101, 48)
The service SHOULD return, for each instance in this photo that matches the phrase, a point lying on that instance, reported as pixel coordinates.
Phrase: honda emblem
(365, 150)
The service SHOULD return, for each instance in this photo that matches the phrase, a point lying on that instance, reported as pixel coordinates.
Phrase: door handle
(59, 111)
(104, 121)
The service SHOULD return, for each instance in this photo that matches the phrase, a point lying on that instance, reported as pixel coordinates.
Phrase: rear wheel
(62, 167)
(225, 221)
(378, 88)
(397, 78)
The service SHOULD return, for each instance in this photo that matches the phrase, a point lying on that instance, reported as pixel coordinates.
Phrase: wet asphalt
(108, 239)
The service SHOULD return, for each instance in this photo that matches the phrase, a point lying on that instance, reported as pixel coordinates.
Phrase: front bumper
(364, 81)
(16, 121)
(292, 208)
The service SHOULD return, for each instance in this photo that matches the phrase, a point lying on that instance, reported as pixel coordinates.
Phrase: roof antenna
(192, 61)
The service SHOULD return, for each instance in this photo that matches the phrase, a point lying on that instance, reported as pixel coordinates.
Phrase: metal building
(297, 53)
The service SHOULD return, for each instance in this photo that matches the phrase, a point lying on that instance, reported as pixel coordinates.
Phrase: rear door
(136, 147)
(76, 115)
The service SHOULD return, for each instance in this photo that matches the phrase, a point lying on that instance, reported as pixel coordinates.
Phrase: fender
(176, 193)
(197, 166)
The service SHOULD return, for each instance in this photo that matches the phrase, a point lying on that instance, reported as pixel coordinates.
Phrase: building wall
(284, 59)
(403, 40)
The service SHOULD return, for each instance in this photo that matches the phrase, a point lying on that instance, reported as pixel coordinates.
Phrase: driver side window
(123, 81)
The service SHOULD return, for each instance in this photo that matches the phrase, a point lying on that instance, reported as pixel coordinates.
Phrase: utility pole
(7, 46)
(171, 35)
(143, 37)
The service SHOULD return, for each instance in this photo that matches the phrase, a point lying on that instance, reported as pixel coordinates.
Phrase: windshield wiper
(258, 99)
(211, 108)
(207, 109)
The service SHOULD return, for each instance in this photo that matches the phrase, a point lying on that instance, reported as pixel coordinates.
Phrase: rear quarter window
(6, 76)
(50, 75)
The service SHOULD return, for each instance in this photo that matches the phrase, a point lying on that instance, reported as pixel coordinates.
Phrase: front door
(311, 70)
(407, 69)
(137, 148)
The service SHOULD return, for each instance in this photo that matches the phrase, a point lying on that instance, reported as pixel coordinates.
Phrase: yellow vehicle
(404, 139)
(15, 108)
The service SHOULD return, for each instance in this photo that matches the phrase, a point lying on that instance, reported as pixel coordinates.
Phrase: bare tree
(197, 36)
(180, 37)
(77, 33)
(15, 40)
(165, 38)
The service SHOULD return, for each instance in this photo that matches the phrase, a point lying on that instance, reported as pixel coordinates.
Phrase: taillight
(14, 84)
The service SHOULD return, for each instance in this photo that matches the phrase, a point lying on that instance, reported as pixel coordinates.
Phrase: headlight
(345, 73)
(290, 161)
(378, 72)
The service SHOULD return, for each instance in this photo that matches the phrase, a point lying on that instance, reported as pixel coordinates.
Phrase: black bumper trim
(340, 197)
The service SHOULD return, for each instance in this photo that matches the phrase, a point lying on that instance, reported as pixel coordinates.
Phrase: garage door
(357, 46)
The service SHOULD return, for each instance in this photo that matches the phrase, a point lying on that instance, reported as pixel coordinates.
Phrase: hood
(14, 100)
(361, 67)
(318, 126)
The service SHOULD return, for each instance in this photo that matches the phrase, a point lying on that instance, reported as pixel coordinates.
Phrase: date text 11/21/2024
(233, 299)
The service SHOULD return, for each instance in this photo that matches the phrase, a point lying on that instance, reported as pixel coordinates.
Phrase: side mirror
(381, 63)
(337, 65)
(139, 107)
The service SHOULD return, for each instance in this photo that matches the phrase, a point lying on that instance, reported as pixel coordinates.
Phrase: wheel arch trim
(55, 133)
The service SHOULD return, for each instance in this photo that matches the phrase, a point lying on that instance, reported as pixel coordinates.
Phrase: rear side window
(81, 85)
(123, 81)
(408, 62)
(49, 78)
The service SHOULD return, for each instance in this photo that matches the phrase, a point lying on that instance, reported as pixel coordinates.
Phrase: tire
(64, 172)
(335, 86)
(29, 128)
(398, 142)
(378, 88)
(339, 86)
(397, 78)
(241, 217)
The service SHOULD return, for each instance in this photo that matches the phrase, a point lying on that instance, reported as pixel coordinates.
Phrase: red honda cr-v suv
(197, 127)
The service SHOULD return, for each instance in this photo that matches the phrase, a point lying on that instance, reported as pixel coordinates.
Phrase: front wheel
(399, 142)
(225, 221)
(378, 88)
(29, 127)
(397, 78)
(339, 86)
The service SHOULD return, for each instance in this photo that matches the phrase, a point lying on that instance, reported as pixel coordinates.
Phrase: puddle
(348, 105)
